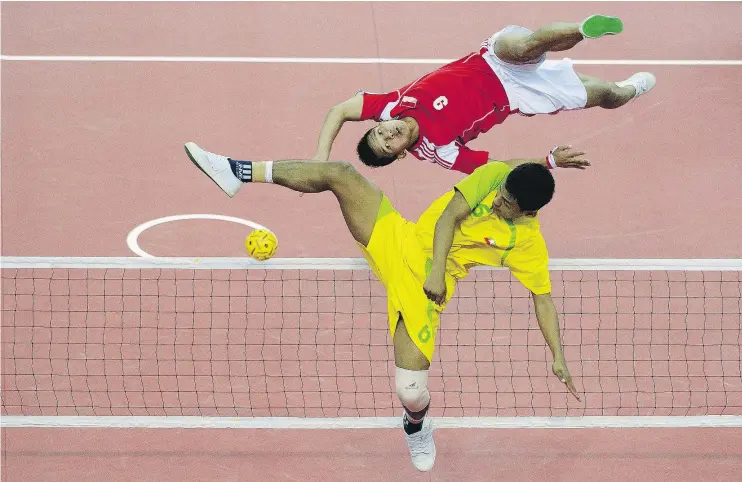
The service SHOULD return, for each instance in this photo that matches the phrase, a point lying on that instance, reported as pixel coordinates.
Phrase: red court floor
(92, 149)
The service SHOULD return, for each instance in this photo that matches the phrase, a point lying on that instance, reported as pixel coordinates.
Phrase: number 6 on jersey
(440, 102)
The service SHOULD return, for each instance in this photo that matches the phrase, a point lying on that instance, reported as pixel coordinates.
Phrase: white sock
(269, 171)
(629, 83)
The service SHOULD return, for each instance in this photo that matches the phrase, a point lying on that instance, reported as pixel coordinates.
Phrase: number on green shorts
(424, 334)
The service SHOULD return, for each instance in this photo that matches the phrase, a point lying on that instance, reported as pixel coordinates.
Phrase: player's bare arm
(548, 322)
(350, 110)
(456, 211)
(562, 156)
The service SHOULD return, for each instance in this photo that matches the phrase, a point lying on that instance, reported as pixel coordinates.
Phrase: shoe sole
(597, 26)
(195, 163)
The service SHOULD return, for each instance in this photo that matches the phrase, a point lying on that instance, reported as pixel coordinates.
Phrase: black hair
(532, 186)
(368, 156)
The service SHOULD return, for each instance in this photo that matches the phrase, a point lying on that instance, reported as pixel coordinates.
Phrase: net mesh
(315, 343)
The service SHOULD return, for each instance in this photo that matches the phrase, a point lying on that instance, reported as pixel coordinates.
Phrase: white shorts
(541, 87)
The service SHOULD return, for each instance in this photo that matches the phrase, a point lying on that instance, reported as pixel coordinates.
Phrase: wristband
(550, 162)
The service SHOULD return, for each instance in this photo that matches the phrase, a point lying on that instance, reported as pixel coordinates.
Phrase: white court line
(133, 236)
(555, 264)
(335, 60)
(376, 1)
(370, 422)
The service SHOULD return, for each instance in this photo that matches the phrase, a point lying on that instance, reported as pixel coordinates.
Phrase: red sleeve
(374, 104)
(468, 160)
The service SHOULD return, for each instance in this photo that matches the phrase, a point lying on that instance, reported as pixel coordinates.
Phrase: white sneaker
(642, 82)
(422, 447)
(216, 167)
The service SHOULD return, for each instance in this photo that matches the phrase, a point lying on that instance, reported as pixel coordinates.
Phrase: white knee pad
(412, 389)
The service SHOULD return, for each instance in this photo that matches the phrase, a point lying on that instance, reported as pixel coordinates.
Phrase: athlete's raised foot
(216, 167)
(596, 26)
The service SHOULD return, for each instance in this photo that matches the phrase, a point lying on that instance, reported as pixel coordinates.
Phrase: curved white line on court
(131, 239)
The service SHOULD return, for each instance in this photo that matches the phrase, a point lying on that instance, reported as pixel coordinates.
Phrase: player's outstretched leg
(611, 95)
(523, 48)
(411, 380)
(358, 197)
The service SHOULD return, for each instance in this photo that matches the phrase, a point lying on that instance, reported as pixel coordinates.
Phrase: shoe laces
(216, 160)
(419, 445)
(643, 84)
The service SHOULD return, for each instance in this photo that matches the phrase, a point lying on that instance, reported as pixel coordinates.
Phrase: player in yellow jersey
(489, 218)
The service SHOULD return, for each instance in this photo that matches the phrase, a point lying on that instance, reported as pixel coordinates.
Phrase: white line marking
(417, 1)
(690, 63)
(372, 422)
(555, 264)
(334, 60)
(131, 239)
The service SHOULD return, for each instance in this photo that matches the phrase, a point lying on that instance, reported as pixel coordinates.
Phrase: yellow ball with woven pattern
(261, 244)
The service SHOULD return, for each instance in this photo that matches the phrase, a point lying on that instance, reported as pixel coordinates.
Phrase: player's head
(528, 188)
(385, 143)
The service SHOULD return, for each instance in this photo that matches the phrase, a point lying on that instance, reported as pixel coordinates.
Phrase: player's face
(390, 138)
(505, 206)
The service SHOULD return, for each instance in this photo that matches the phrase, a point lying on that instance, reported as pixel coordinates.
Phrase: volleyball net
(309, 338)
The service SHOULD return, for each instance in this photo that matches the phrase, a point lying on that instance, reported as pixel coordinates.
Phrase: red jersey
(452, 105)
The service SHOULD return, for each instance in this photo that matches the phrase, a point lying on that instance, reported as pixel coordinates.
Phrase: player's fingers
(434, 297)
(571, 388)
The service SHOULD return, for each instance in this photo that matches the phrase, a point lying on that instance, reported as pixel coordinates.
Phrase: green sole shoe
(596, 26)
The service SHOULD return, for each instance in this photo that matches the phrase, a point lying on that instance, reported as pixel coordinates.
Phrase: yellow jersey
(484, 238)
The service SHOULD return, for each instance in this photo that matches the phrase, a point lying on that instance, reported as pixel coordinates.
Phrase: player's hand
(435, 288)
(559, 367)
(565, 156)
